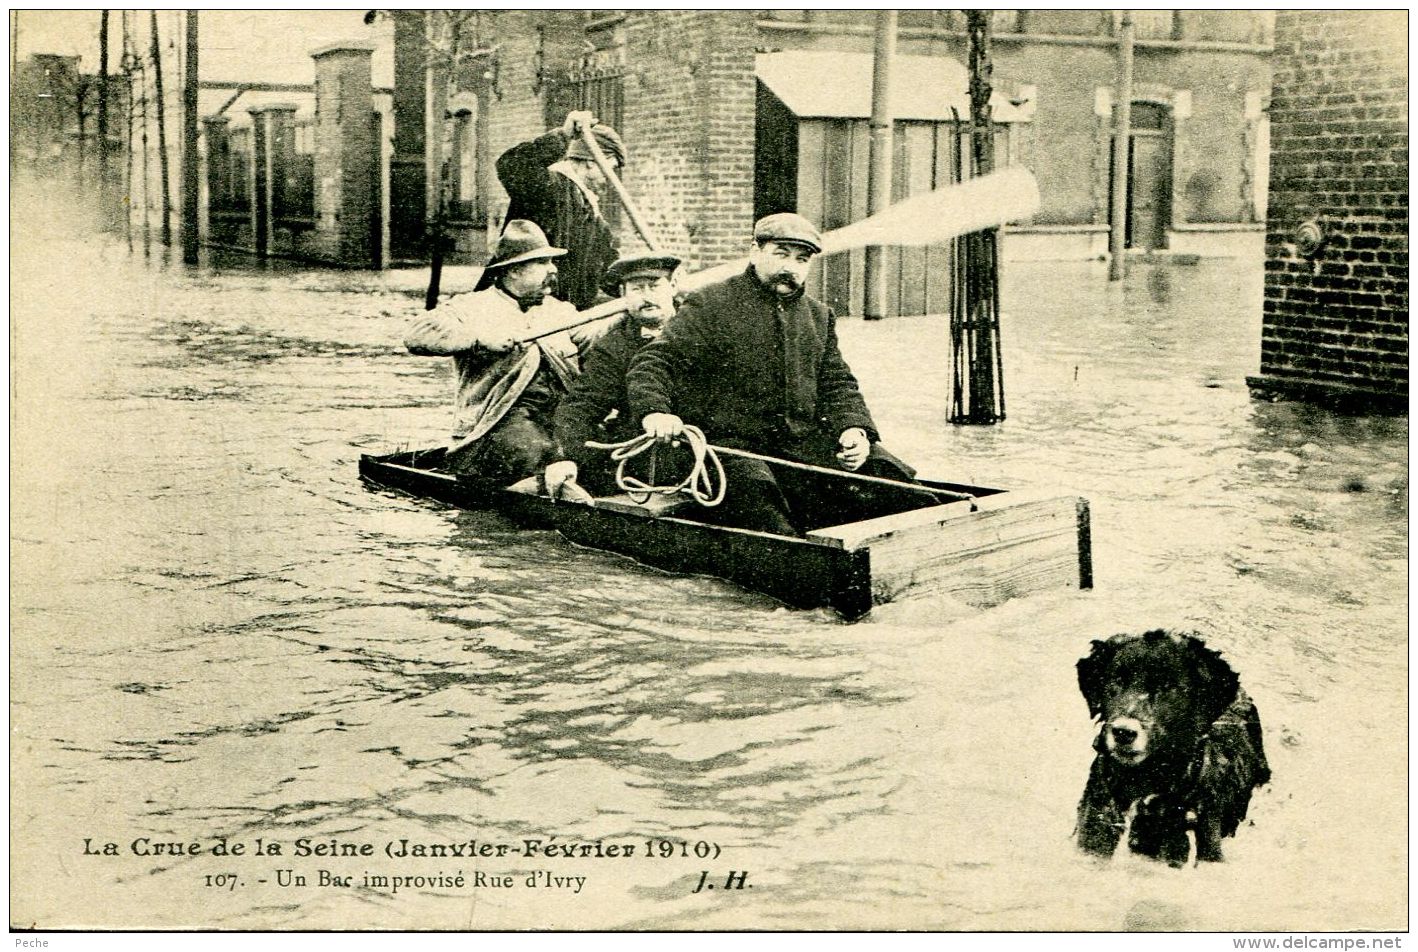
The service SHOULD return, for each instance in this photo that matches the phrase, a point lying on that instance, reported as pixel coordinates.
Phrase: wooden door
(1149, 177)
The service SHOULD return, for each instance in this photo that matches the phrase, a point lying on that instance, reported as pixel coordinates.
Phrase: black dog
(1179, 747)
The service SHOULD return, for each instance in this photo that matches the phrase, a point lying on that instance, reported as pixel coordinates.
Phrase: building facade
(733, 114)
(1336, 287)
(729, 115)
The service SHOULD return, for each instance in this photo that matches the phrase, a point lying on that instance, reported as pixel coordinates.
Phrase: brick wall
(688, 125)
(1336, 318)
(689, 116)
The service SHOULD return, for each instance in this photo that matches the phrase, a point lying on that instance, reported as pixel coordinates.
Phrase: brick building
(729, 115)
(1336, 289)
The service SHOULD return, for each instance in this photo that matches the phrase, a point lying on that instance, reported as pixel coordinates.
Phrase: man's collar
(522, 304)
(567, 169)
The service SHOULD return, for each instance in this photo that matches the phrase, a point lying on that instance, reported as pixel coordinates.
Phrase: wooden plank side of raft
(855, 535)
(985, 557)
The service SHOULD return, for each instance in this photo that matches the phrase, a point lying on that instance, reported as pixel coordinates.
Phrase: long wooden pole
(161, 94)
(1122, 130)
(879, 159)
(191, 195)
(131, 105)
(609, 172)
(104, 189)
(843, 473)
(143, 97)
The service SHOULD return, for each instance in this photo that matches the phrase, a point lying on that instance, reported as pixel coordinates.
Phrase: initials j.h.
(735, 880)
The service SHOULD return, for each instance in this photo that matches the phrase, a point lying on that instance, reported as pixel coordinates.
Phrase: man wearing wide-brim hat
(596, 407)
(753, 361)
(552, 180)
(507, 389)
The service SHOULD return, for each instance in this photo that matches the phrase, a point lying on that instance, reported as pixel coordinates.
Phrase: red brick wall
(1337, 321)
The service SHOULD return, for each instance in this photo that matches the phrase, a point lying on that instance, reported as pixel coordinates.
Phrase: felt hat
(522, 241)
(607, 140)
(788, 229)
(634, 266)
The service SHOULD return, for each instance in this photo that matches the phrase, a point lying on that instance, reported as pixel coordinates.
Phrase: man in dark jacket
(552, 181)
(754, 363)
(597, 406)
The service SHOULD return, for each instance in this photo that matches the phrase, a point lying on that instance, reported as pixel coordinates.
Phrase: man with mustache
(754, 363)
(506, 390)
(597, 405)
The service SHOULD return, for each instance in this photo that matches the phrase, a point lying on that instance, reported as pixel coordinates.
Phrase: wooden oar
(929, 219)
(842, 473)
(644, 231)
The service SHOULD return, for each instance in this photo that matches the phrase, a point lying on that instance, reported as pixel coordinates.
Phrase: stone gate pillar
(346, 154)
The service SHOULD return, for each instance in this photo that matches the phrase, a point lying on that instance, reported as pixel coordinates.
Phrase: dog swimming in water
(1178, 751)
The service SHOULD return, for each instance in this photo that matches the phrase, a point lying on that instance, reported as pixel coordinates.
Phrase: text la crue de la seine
(526, 848)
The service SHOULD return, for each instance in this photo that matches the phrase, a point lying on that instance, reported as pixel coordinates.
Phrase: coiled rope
(698, 484)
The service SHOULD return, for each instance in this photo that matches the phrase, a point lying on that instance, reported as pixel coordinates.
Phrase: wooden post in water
(143, 114)
(105, 187)
(191, 196)
(160, 95)
(977, 394)
(129, 106)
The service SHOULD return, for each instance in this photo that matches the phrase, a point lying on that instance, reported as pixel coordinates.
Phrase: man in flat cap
(753, 362)
(597, 407)
(552, 181)
(507, 389)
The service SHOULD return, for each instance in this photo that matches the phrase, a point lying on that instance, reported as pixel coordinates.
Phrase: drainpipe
(879, 169)
(1122, 127)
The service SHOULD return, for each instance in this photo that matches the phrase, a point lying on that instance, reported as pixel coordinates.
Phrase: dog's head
(1155, 694)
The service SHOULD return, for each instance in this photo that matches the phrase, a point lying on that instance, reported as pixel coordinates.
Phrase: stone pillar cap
(273, 107)
(348, 46)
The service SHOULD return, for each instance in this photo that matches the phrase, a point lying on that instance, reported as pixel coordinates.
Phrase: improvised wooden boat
(983, 550)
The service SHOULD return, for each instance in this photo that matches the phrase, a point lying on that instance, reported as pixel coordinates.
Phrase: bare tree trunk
(162, 131)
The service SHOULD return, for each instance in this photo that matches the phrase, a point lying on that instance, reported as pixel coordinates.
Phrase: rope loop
(700, 484)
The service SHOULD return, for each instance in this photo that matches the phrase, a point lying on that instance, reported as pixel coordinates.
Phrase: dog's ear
(1093, 673)
(1217, 683)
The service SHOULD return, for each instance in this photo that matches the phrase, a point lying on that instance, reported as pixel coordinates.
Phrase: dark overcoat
(751, 370)
(562, 210)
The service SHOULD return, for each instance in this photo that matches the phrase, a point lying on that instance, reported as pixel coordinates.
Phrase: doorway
(1149, 187)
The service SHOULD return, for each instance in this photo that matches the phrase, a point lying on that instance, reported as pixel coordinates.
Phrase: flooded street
(217, 632)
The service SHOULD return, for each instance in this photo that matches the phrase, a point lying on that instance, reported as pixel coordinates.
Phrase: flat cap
(788, 228)
(634, 266)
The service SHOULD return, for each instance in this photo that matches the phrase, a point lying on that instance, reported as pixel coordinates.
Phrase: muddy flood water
(219, 635)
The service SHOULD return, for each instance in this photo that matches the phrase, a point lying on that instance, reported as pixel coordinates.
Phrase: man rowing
(597, 406)
(552, 181)
(753, 361)
(506, 389)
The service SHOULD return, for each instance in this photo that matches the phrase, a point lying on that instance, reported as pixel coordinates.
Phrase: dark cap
(522, 241)
(634, 266)
(607, 141)
(788, 229)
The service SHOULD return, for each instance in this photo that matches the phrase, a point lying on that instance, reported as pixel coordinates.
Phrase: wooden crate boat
(999, 546)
